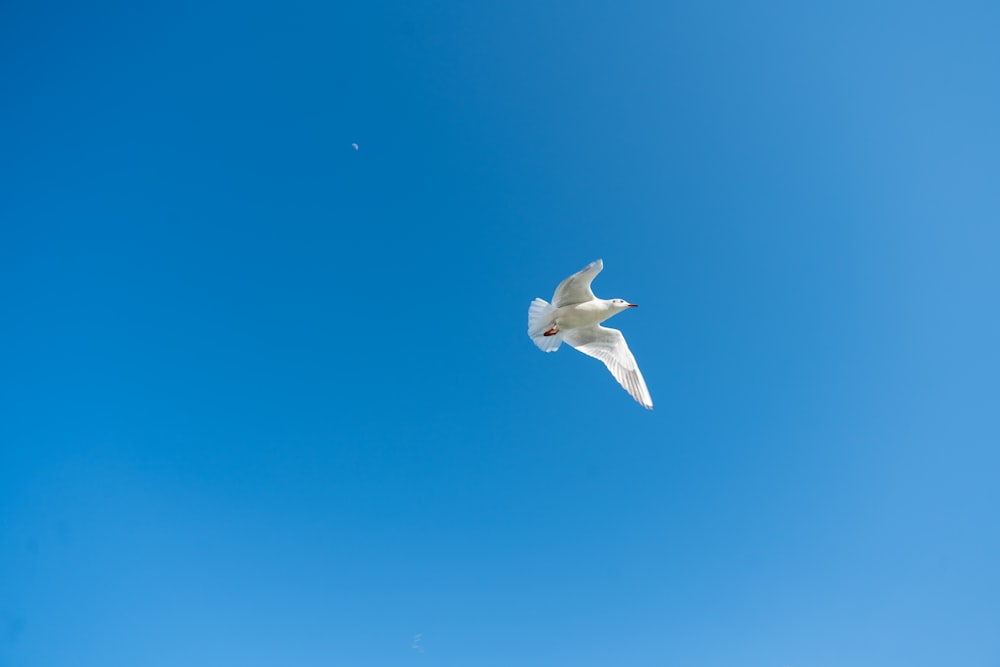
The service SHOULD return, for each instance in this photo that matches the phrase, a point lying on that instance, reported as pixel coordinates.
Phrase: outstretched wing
(576, 288)
(609, 346)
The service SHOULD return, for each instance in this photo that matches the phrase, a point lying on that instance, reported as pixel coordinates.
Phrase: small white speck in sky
(355, 146)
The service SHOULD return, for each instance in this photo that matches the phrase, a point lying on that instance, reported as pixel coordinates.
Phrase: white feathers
(539, 321)
(575, 315)
(609, 346)
(576, 288)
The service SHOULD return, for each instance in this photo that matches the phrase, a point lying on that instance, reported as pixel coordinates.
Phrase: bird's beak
(633, 305)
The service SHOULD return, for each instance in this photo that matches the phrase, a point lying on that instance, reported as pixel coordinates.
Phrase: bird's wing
(576, 288)
(609, 346)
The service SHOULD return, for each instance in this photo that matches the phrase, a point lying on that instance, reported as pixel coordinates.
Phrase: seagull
(354, 146)
(575, 315)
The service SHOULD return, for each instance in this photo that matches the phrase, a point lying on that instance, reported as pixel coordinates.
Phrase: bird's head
(622, 304)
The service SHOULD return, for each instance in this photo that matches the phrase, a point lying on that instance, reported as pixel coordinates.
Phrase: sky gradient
(269, 400)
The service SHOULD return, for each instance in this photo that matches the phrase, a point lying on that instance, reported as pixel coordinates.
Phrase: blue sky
(269, 400)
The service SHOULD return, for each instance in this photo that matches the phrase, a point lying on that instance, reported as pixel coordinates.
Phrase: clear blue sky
(268, 400)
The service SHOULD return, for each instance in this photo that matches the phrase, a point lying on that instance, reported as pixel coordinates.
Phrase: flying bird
(575, 316)
(355, 146)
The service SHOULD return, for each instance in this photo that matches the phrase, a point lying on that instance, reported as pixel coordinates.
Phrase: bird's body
(583, 314)
(575, 316)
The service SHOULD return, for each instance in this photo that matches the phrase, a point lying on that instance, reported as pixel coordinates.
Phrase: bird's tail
(539, 321)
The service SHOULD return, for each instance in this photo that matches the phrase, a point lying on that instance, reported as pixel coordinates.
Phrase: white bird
(354, 146)
(575, 315)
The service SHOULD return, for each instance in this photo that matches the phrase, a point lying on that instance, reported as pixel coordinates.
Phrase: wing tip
(642, 396)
